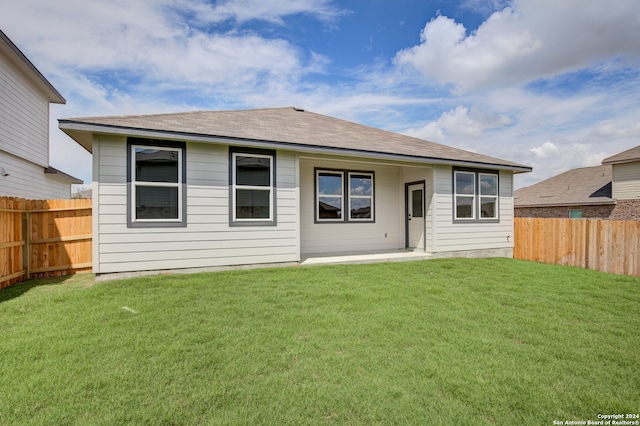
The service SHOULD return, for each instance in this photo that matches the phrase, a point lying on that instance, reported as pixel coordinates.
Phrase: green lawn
(454, 341)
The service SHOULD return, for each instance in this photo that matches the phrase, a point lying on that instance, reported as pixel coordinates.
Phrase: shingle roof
(588, 185)
(53, 171)
(627, 156)
(287, 128)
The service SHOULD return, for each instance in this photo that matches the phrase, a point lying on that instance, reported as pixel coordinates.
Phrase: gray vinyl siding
(450, 236)
(24, 116)
(28, 180)
(207, 240)
(387, 232)
(626, 181)
(419, 174)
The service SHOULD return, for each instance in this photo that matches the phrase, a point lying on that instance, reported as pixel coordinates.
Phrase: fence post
(27, 245)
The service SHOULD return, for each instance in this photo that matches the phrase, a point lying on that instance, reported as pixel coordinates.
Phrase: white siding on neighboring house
(28, 180)
(207, 240)
(24, 115)
(450, 236)
(387, 232)
(626, 181)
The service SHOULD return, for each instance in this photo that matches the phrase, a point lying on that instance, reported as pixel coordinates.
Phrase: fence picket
(53, 238)
(42, 238)
(604, 245)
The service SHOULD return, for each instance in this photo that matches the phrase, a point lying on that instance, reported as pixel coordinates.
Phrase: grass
(482, 342)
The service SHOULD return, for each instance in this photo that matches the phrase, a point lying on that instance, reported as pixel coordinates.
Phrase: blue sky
(551, 84)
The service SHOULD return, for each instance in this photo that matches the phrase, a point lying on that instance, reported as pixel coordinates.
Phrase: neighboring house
(25, 95)
(87, 193)
(204, 189)
(626, 174)
(609, 191)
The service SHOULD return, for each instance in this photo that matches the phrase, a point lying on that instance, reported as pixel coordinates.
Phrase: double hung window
(488, 191)
(475, 196)
(344, 196)
(360, 196)
(465, 195)
(252, 187)
(329, 196)
(156, 176)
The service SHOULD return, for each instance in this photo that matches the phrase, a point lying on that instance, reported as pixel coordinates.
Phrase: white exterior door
(415, 217)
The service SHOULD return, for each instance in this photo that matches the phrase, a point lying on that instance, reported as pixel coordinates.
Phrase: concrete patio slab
(363, 257)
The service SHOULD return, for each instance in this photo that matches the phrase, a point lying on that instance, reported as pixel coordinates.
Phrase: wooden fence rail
(43, 238)
(604, 245)
(40, 238)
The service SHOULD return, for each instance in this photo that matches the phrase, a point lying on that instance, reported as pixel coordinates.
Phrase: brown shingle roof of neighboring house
(87, 193)
(628, 156)
(584, 186)
(283, 128)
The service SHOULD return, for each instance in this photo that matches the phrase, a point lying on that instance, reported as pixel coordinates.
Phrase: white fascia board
(194, 137)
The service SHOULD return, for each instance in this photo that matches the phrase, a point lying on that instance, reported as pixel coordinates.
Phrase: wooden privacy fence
(605, 245)
(43, 238)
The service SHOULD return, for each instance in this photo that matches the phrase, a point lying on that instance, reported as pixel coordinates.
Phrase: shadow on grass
(16, 290)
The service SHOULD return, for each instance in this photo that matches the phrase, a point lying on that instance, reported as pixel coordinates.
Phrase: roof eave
(615, 162)
(81, 133)
(53, 171)
(26, 65)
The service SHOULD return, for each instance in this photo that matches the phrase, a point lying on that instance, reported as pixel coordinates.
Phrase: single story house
(608, 191)
(217, 188)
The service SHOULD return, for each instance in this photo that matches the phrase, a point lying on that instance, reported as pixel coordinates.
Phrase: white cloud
(550, 159)
(149, 49)
(431, 132)
(460, 125)
(546, 150)
(152, 42)
(450, 57)
(177, 55)
(229, 59)
(485, 7)
(268, 10)
(530, 40)
(582, 57)
(550, 134)
(620, 128)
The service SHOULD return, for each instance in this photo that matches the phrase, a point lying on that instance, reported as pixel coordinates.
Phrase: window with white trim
(475, 196)
(360, 196)
(252, 187)
(156, 179)
(488, 189)
(344, 196)
(465, 195)
(329, 196)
